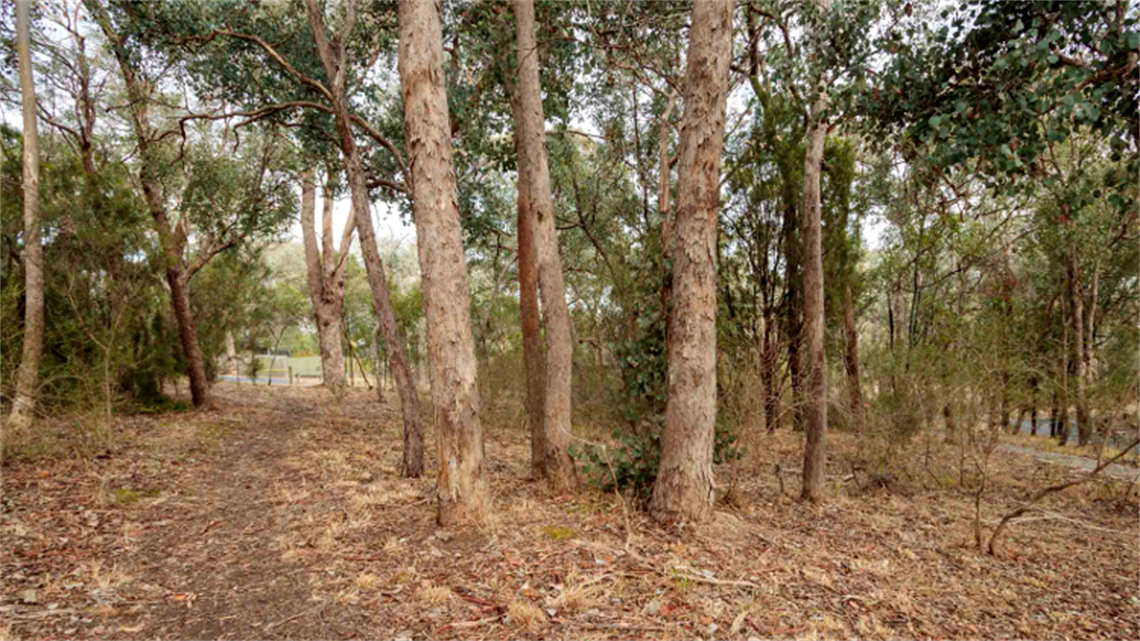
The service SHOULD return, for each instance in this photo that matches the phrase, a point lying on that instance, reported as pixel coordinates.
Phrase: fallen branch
(1028, 505)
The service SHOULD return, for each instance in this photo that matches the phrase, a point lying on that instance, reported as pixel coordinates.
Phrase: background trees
(925, 220)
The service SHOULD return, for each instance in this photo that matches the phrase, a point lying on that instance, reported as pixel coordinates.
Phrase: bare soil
(280, 514)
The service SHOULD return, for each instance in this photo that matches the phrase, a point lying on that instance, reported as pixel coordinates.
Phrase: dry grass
(298, 520)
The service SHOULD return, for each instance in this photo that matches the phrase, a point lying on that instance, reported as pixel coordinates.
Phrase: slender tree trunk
(461, 490)
(852, 360)
(27, 378)
(1053, 412)
(793, 317)
(386, 317)
(375, 347)
(1061, 419)
(815, 363)
(1033, 385)
(528, 314)
(1076, 312)
(326, 289)
(684, 490)
(768, 376)
(556, 421)
(333, 58)
(951, 426)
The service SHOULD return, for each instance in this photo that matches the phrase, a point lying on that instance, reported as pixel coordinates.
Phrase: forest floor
(279, 514)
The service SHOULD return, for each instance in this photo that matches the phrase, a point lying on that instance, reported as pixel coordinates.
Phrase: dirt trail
(190, 518)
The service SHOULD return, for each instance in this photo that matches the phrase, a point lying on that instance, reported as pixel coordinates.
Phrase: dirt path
(1114, 470)
(185, 522)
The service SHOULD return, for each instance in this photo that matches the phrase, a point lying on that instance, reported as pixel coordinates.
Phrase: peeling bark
(461, 489)
(326, 288)
(684, 490)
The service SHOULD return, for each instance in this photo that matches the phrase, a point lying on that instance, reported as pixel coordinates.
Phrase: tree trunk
(172, 238)
(1033, 388)
(793, 312)
(684, 490)
(27, 378)
(852, 361)
(768, 376)
(180, 299)
(815, 362)
(556, 420)
(326, 289)
(951, 426)
(333, 59)
(528, 314)
(1076, 313)
(461, 490)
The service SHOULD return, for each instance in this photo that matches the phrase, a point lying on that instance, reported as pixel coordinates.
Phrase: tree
(461, 490)
(333, 57)
(325, 276)
(556, 424)
(815, 360)
(684, 487)
(225, 201)
(24, 405)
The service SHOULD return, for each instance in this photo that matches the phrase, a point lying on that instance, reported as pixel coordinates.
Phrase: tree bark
(461, 490)
(815, 363)
(557, 465)
(793, 311)
(333, 58)
(684, 490)
(326, 288)
(27, 378)
(528, 313)
(852, 361)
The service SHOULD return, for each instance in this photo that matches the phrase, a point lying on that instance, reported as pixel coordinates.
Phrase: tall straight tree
(815, 360)
(27, 380)
(325, 272)
(333, 57)
(461, 490)
(528, 309)
(684, 487)
(556, 464)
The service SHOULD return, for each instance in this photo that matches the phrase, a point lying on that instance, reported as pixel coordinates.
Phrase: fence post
(290, 374)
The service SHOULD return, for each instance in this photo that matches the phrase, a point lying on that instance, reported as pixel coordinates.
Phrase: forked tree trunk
(815, 361)
(333, 58)
(28, 376)
(326, 288)
(557, 466)
(852, 361)
(528, 313)
(684, 490)
(461, 490)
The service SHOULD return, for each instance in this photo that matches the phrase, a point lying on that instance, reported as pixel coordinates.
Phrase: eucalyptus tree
(684, 487)
(314, 77)
(461, 490)
(203, 199)
(998, 87)
(324, 268)
(27, 380)
(555, 463)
